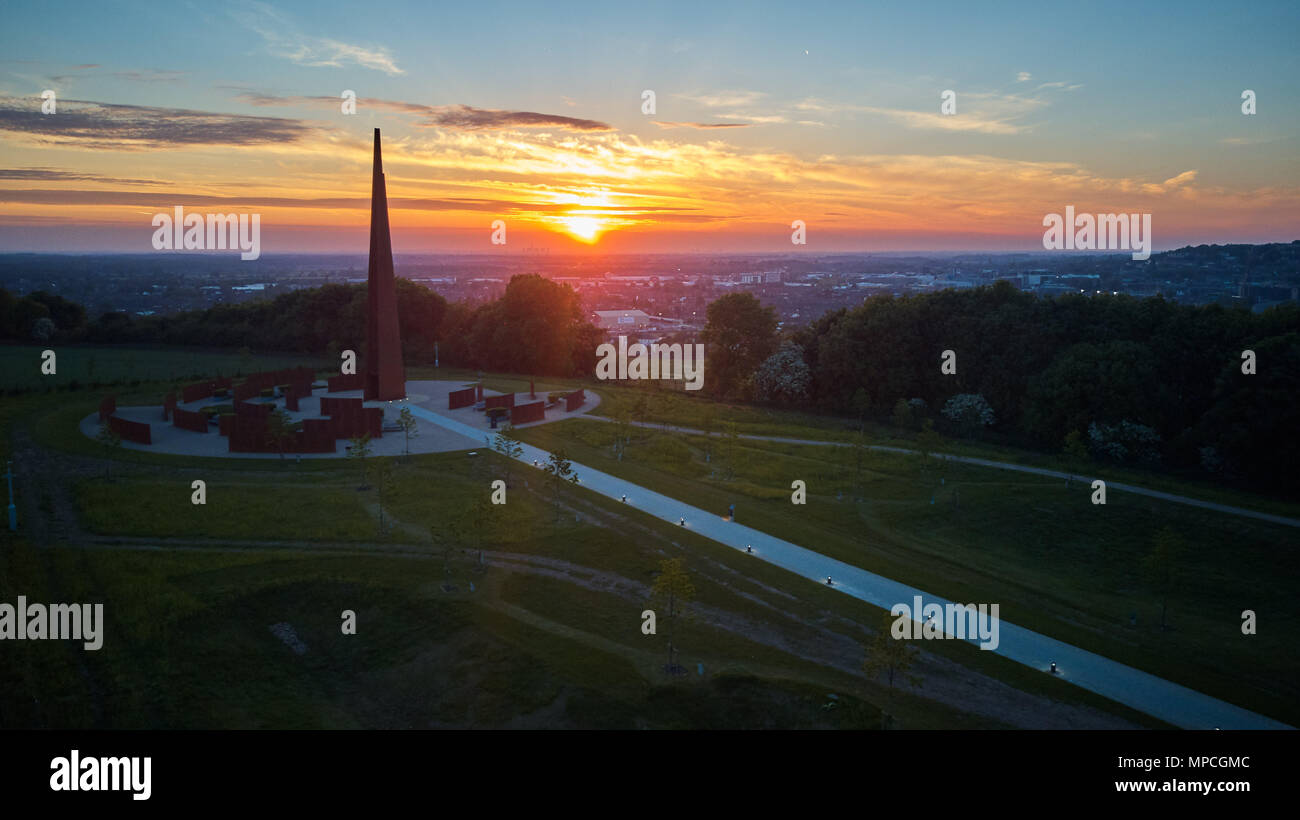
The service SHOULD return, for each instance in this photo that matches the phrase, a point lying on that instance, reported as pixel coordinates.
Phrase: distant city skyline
(764, 114)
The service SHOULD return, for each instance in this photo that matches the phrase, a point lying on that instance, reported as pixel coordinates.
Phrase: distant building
(622, 319)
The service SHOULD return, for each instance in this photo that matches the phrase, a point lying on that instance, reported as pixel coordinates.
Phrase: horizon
(762, 116)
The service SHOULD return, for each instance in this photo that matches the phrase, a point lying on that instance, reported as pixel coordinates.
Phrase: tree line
(1115, 378)
(536, 327)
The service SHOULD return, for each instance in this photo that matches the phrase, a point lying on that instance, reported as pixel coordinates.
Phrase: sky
(534, 114)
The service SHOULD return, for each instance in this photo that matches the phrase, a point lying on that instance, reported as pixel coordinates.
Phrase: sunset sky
(766, 113)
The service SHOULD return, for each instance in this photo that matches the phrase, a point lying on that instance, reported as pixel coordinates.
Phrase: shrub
(969, 410)
(783, 377)
(1126, 441)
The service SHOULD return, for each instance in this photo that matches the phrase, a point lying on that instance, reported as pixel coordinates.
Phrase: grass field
(549, 634)
(20, 366)
(1054, 562)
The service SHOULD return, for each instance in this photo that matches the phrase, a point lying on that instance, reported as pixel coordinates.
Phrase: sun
(583, 228)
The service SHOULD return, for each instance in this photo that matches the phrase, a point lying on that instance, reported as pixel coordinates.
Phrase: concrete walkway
(1147, 693)
(1000, 465)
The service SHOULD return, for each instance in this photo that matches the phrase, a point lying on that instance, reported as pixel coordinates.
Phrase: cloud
(702, 125)
(981, 112)
(1060, 84)
(724, 99)
(285, 39)
(144, 76)
(54, 175)
(461, 117)
(934, 121)
(87, 124)
(1183, 180)
(1247, 140)
(1024, 77)
(759, 119)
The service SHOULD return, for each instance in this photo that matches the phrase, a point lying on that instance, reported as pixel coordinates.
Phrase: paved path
(1147, 693)
(1001, 465)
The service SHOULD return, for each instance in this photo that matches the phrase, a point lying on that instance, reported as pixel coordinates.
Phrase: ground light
(828, 581)
(1053, 669)
(681, 521)
(749, 549)
(625, 498)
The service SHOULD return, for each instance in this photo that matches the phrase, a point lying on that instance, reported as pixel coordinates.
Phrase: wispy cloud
(55, 175)
(980, 112)
(94, 125)
(286, 39)
(140, 76)
(702, 125)
(756, 119)
(461, 117)
(724, 99)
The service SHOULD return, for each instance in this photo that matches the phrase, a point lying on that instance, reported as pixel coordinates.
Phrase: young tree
(1076, 454)
(902, 414)
(891, 657)
(860, 404)
(673, 590)
(860, 451)
(640, 410)
(279, 430)
(507, 444)
(928, 442)
(622, 432)
(559, 471)
(359, 450)
(1161, 567)
(112, 441)
(730, 447)
(383, 474)
(448, 535)
(410, 427)
(708, 423)
(480, 521)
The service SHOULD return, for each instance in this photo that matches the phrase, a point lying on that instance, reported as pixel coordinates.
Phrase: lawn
(546, 647)
(105, 365)
(1071, 569)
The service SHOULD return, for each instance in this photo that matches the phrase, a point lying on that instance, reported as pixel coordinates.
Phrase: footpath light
(624, 498)
(681, 521)
(1053, 669)
(828, 581)
(749, 549)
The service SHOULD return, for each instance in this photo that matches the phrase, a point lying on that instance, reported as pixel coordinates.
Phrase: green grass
(185, 625)
(1072, 570)
(525, 649)
(106, 365)
(259, 510)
